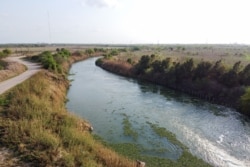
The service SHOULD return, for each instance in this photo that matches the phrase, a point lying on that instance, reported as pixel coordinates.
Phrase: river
(217, 134)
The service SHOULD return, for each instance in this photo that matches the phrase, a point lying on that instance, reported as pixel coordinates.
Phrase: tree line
(213, 81)
(188, 70)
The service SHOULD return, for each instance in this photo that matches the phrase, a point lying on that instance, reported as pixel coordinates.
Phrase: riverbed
(218, 135)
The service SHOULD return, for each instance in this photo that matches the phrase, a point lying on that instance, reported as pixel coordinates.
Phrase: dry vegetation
(11, 69)
(36, 126)
(228, 53)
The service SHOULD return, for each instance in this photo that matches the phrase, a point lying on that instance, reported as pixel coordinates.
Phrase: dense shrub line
(53, 62)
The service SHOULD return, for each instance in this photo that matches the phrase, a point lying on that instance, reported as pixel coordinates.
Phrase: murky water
(214, 133)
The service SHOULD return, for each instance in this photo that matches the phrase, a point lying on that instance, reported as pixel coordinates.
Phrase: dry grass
(12, 69)
(228, 53)
(36, 126)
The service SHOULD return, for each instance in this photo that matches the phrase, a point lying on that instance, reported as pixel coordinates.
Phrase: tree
(157, 66)
(231, 78)
(237, 67)
(217, 70)
(245, 102)
(202, 70)
(114, 52)
(244, 76)
(143, 64)
(166, 63)
(7, 52)
(89, 52)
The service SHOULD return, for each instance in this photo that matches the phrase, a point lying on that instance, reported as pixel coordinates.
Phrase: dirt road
(32, 69)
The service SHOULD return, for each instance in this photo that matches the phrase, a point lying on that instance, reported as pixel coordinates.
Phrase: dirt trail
(32, 69)
(6, 158)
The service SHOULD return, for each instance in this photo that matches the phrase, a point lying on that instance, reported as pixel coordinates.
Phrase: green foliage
(157, 66)
(202, 70)
(231, 78)
(187, 70)
(143, 65)
(2, 64)
(129, 60)
(245, 102)
(89, 51)
(135, 48)
(244, 76)
(98, 61)
(53, 62)
(5, 53)
(114, 52)
(218, 70)
(99, 50)
(107, 56)
(111, 53)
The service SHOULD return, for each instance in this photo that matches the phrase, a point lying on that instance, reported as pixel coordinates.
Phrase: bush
(5, 53)
(53, 62)
(245, 102)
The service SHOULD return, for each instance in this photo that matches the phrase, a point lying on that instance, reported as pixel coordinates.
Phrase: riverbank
(36, 126)
(205, 88)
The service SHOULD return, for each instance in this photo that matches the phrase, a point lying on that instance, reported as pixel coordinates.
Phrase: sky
(125, 21)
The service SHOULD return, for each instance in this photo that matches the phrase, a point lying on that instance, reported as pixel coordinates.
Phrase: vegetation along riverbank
(36, 126)
(221, 77)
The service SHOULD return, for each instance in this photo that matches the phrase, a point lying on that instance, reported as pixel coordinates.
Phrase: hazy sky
(125, 21)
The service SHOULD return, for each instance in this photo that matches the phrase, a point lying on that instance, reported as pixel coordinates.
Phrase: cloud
(101, 3)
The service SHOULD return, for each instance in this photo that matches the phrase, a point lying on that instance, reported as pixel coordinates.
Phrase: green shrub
(245, 102)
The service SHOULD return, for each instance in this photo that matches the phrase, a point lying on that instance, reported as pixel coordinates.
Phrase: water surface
(217, 134)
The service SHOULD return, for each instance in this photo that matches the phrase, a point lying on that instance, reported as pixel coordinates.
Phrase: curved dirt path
(32, 69)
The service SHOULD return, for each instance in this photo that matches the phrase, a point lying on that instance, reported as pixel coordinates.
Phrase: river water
(217, 134)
